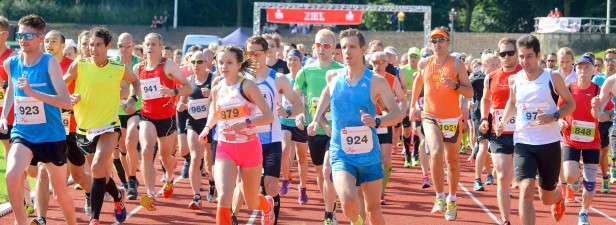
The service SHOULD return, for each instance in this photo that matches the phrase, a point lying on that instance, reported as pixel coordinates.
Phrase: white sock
(451, 198)
(582, 210)
(440, 195)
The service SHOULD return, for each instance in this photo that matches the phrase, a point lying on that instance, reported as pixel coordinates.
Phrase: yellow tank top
(100, 94)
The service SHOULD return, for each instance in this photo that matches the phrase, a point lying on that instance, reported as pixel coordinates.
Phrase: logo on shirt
(364, 85)
(39, 85)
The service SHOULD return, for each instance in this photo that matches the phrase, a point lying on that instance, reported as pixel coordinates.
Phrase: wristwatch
(135, 98)
(378, 122)
(557, 115)
(248, 123)
(289, 112)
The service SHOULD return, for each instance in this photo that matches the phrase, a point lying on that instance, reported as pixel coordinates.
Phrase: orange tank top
(440, 102)
(390, 80)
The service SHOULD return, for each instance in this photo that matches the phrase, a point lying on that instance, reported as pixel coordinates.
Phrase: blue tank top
(38, 77)
(346, 102)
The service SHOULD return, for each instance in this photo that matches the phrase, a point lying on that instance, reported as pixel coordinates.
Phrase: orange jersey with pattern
(439, 101)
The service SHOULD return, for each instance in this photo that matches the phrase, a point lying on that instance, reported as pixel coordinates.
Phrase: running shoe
(558, 210)
(605, 186)
(328, 221)
(185, 169)
(120, 210)
(268, 217)
(583, 219)
(577, 185)
(168, 189)
(407, 161)
(87, 206)
(29, 210)
(569, 194)
(148, 202)
(563, 190)
(211, 194)
(303, 197)
(132, 192)
(124, 185)
(284, 187)
(490, 180)
(94, 222)
(463, 150)
(360, 221)
(478, 186)
(613, 179)
(195, 204)
(38, 221)
(439, 206)
(426, 181)
(415, 162)
(506, 222)
(452, 211)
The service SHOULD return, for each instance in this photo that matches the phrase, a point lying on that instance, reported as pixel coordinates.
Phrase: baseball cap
(439, 32)
(585, 59)
(413, 50)
(390, 51)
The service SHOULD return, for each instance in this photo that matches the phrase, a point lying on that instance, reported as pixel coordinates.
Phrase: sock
(212, 183)
(112, 189)
(464, 139)
(197, 197)
(407, 146)
(582, 211)
(97, 196)
(451, 198)
(117, 163)
(276, 206)
(223, 216)
(263, 205)
(606, 177)
(329, 215)
(359, 221)
(132, 178)
(440, 195)
(386, 174)
(416, 146)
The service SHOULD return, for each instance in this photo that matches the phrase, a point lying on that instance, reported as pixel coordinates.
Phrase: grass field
(3, 194)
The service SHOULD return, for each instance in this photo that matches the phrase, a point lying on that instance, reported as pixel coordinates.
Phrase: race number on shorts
(66, 122)
(92, 133)
(150, 88)
(448, 127)
(29, 110)
(357, 140)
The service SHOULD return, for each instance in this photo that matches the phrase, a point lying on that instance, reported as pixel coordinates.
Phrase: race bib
(197, 108)
(231, 111)
(150, 88)
(510, 125)
(66, 121)
(2, 92)
(529, 114)
(315, 102)
(92, 133)
(582, 131)
(449, 127)
(29, 110)
(357, 140)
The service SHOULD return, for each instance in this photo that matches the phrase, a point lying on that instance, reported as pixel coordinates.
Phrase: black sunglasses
(509, 53)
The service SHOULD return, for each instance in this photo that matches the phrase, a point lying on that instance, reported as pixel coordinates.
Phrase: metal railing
(588, 24)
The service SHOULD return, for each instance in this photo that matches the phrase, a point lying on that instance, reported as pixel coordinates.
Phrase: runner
(235, 101)
(197, 104)
(489, 63)
(70, 51)
(379, 62)
(311, 80)
(565, 61)
(273, 62)
(272, 86)
(129, 137)
(495, 97)
(39, 106)
(581, 139)
(355, 157)
(532, 100)
(610, 64)
(408, 70)
(445, 80)
(421, 150)
(157, 115)
(294, 138)
(84, 43)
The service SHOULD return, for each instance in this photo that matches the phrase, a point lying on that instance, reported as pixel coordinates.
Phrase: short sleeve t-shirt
(280, 67)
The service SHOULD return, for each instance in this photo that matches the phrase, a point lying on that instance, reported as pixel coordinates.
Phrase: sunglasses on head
(438, 40)
(198, 61)
(255, 53)
(325, 46)
(120, 45)
(426, 55)
(28, 36)
(413, 56)
(509, 53)
(378, 62)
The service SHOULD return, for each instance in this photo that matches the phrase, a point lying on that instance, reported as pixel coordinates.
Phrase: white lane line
(598, 212)
(141, 207)
(485, 209)
(253, 217)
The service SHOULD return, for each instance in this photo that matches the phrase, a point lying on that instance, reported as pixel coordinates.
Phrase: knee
(98, 169)
(327, 170)
(452, 161)
(14, 178)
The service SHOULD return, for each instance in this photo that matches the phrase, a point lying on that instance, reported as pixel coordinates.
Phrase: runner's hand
(203, 136)
(205, 92)
(416, 114)
(166, 92)
(499, 128)
(4, 126)
(238, 126)
(300, 120)
(563, 124)
(367, 119)
(129, 107)
(448, 83)
(484, 126)
(182, 107)
(544, 118)
(24, 85)
(595, 103)
(312, 128)
(75, 98)
(281, 110)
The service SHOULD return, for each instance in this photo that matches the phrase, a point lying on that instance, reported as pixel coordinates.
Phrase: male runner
(273, 62)
(495, 97)
(311, 80)
(354, 93)
(36, 88)
(445, 79)
(606, 127)
(408, 70)
(565, 61)
(84, 50)
(532, 99)
(157, 75)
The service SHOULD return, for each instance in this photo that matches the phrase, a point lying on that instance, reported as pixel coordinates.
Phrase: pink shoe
(268, 217)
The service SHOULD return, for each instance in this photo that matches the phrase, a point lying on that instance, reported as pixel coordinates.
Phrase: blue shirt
(38, 77)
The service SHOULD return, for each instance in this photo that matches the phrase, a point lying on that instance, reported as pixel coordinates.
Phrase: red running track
(407, 204)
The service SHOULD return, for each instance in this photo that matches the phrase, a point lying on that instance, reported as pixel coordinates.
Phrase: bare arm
(254, 94)
(510, 109)
(486, 100)
(399, 94)
(8, 96)
(380, 89)
(402, 80)
(174, 72)
(562, 90)
(61, 99)
(287, 90)
(465, 88)
(417, 86)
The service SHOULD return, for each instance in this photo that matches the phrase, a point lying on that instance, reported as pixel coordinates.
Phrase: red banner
(315, 16)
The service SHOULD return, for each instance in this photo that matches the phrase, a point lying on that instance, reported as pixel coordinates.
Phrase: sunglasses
(198, 61)
(438, 40)
(255, 53)
(610, 59)
(509, 53)
(124, 45)
(551, 60)
(413, 56)
(378, 62)
(426, 55)
(325, 46)
(28, 36)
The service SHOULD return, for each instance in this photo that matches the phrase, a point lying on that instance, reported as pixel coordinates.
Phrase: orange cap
(439, 32)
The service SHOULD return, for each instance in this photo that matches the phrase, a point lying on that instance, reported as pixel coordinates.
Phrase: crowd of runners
(242, 116)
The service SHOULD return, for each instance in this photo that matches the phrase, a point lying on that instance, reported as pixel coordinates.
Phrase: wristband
(289, 112)
(457, 86)
(378, 122)
(176, 91)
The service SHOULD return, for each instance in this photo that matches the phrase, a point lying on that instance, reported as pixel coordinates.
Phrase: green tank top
(138, 104)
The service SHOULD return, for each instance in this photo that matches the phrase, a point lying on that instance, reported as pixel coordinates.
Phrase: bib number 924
(356, 140)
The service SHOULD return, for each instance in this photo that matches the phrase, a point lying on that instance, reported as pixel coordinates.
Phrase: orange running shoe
(168, 189)
(558, 210)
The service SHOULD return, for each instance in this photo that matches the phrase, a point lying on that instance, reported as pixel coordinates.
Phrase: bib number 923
(27, 110)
